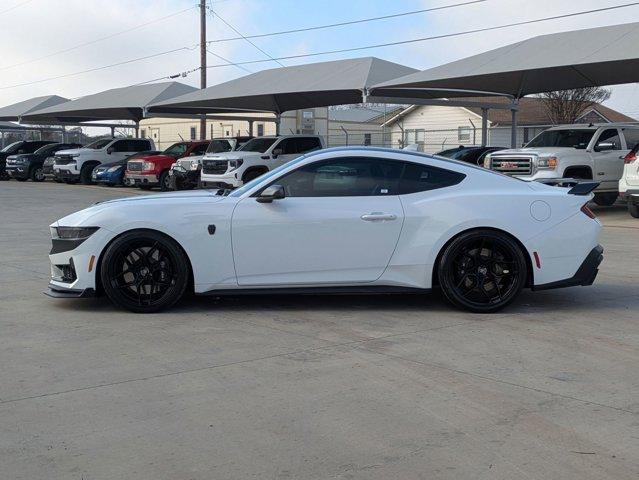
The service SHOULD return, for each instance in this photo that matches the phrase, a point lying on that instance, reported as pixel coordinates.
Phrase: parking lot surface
(353, 387)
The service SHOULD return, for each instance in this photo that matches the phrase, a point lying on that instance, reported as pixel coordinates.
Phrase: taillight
(588, 212)
(631, 157)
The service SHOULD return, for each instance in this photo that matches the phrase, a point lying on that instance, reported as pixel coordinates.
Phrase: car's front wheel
(37, 175)
(482, 271)
(633, 208)
(144, 271)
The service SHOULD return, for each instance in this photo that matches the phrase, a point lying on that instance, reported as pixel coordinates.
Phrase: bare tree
(566, 106)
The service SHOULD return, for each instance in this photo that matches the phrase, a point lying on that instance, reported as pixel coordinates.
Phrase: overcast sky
(33, 31)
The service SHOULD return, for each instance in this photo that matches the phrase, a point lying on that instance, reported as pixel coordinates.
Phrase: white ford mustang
(343, 219)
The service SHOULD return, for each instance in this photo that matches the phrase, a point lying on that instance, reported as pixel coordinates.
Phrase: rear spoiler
(578, 185)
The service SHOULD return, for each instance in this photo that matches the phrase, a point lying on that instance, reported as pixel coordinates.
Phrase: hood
(231, 155)
(539, 151)
(152, 157)
(21, 156)
(152, 202)
(73, 151)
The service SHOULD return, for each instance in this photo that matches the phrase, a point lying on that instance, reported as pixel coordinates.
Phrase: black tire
(605, 199)
(57, 180)
(633, 208)
(144, 187)
(70, 182)
(144, 271)
(22, 179)
(85, 174)
(482, 271)
(165, 181)
(252, 174)
(37, 175)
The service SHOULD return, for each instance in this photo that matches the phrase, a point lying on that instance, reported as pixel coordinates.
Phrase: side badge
(211, 229)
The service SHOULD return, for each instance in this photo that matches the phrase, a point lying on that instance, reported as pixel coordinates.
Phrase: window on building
(193, 133)
(367, 139)
(463, 134)
(260, 129)
(143, 133)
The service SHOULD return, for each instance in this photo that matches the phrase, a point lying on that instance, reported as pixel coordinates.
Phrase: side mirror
(110, 150)
(604, 147)
(274, 192)
(277, 152)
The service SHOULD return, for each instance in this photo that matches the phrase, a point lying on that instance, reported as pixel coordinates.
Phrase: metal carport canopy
(126, 103)
(560, 61)
(13, 112)
(283, 89)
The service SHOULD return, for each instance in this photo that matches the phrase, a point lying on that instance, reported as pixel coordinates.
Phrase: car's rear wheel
(633, 208)
(144, 271)
(482, 271)
(605, 199)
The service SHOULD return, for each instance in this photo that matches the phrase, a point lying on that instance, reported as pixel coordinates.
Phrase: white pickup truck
(594, 151)
(77, 164)
(254, 158)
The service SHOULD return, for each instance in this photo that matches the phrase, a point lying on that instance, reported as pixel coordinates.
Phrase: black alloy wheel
(144, 271)
(482, 271)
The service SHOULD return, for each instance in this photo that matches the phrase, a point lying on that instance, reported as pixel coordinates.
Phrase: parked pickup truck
(76, 165)
(594, 151)
(185, 172)
(151, 171)
(25, 166)
(254, 158)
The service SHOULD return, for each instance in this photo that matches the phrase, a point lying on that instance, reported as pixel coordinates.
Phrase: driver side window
(344, 177)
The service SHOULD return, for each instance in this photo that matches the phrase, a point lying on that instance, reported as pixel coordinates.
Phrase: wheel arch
(580, 168)
(98, 280)
(255, 168)
(530, 272)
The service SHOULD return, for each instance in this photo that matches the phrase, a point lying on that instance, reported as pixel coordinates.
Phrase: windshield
(176, 149)
(247, 186)
(259, 145)
(47, 148)
(98, 144)
(12, 147)
(577, 138)
(219, 146)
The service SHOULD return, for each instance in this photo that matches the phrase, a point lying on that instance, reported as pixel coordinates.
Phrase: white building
(435, 128)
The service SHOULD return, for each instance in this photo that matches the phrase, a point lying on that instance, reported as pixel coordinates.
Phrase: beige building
(349, 125)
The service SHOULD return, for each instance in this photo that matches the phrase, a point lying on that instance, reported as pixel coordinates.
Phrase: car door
(608, 159)
(338, 224)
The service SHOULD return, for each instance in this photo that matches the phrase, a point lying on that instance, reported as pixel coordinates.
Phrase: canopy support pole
(250, 130)
(513, 125)
(137, 129)
(484, 127)
(278, 121)
(113, 132)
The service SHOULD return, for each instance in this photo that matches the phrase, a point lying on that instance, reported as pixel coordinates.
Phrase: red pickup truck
(151, 171)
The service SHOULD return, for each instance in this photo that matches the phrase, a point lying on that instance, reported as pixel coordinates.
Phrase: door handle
(378, 217)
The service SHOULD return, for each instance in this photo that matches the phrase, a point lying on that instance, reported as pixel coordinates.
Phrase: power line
(15, 6)
(91, 42)
(228, 61)
(289, 57)
(342, 24)
(435, 37)
(245, 38)
(103, 67)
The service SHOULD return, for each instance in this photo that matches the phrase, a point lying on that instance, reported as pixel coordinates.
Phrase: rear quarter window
(422, 178)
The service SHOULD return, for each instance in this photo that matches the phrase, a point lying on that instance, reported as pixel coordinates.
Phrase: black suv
(18, 148)
(24, 166)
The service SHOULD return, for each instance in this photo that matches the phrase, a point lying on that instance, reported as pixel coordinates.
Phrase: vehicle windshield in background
(218, 146)
(176, 149)
(98, 144)
(11, 147)
(259, 145)
(578, 138)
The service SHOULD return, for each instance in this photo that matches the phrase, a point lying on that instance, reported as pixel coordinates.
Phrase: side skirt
(361, 290)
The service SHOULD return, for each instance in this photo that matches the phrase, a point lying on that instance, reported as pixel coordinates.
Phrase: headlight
(72, 233)
(487, 159)
(235, 164)
(113, 169)
(195, 164)
(148, 166)
(549, 163)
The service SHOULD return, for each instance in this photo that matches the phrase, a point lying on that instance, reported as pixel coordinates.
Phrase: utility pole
(203, 62)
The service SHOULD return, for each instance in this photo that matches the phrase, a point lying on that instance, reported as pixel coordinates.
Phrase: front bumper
(584, 276)
(180, 179)
(227, 180)
(18, 171)
(56, 291)
(65, 174)
(135, 180)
